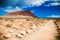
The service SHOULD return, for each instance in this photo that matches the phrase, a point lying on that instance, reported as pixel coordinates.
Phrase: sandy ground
(48, 32)
(58, 23)
(12, 27)
(45, 32)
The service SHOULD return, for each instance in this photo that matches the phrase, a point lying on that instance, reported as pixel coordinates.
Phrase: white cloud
(54, 0)
(32, 11)
(37, 2)
(54, 16)
(13, 10)
(32, 3)
(55, 4)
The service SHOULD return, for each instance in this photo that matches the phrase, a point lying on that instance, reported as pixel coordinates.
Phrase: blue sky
(40, 8)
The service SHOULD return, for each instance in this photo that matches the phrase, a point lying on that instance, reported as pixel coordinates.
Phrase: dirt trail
(47, 32)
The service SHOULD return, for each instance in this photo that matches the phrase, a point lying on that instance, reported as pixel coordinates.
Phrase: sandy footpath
(48, 32)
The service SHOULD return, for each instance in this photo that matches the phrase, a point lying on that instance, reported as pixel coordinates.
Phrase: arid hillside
(23, 25)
